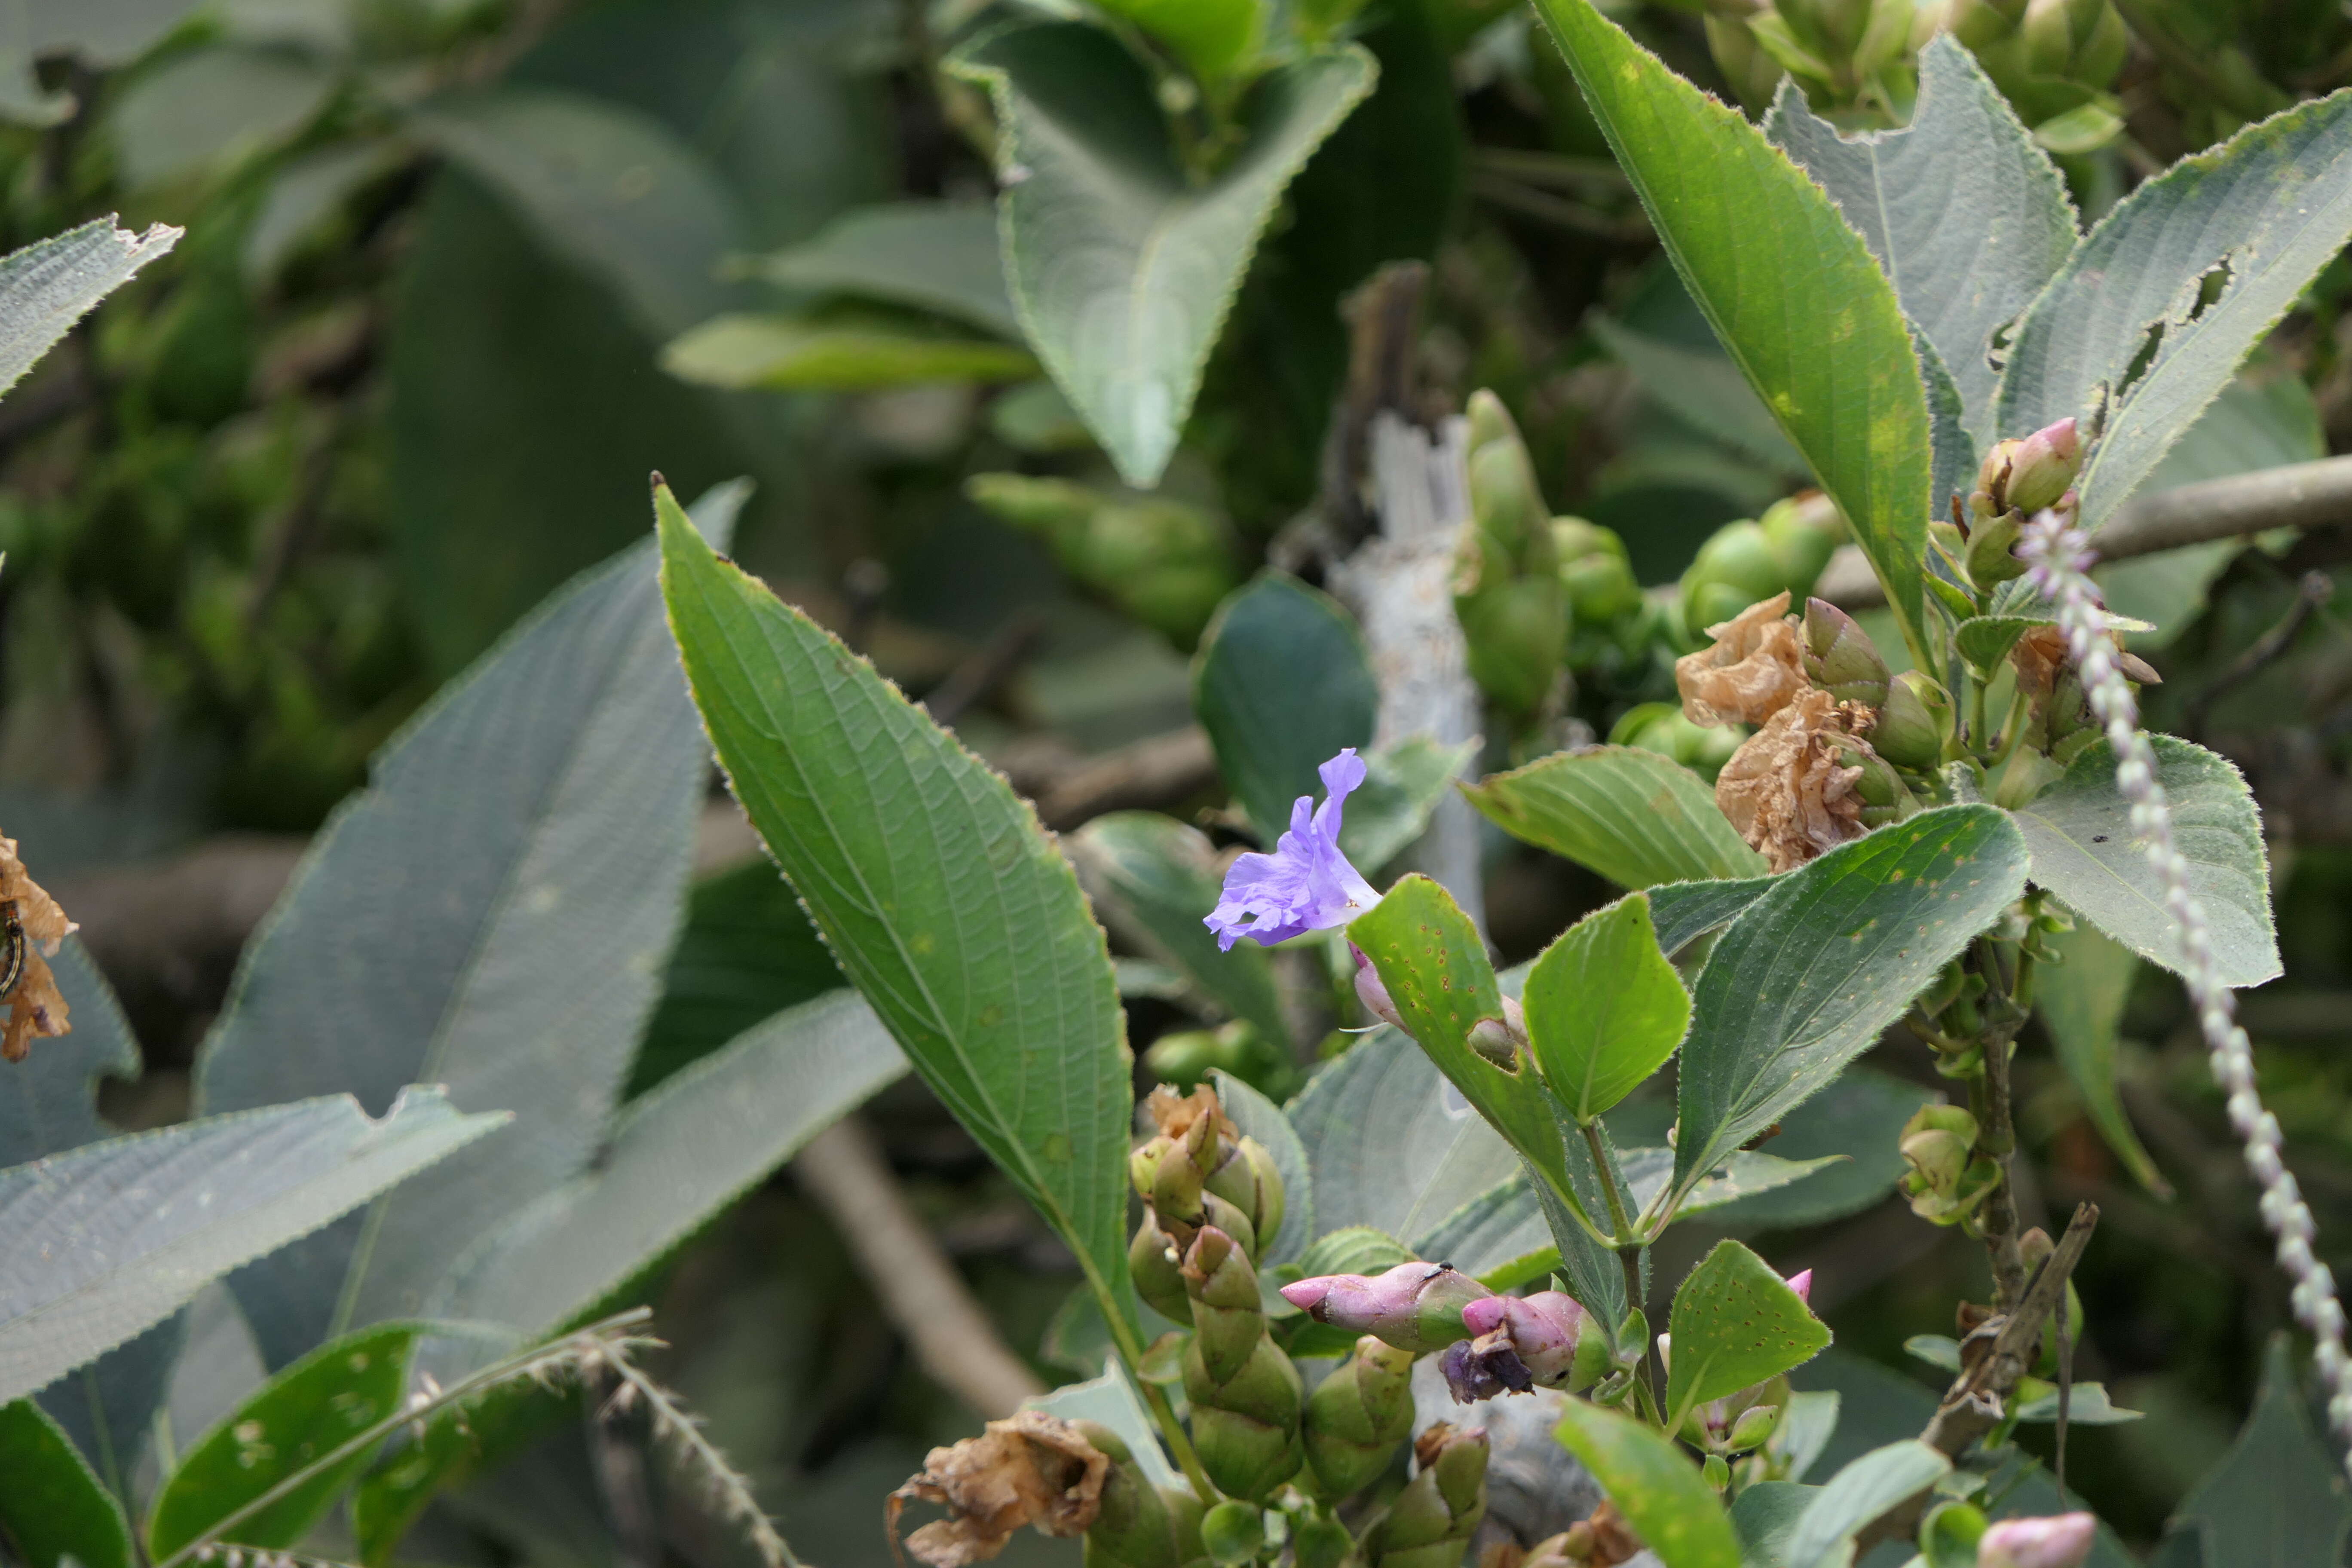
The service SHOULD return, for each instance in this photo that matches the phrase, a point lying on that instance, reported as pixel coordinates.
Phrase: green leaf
(1212, 37)
(788, 354)
(1657, 1488)
(52, 1509)
(1433, 963)
(1260, 1117)
(1403, 784)
(2278, 1498)
(2079, 830)
(1804, 980)
(1604, 1008)
(208, 107)
(2259, 215)
(939, 895)
(300, 1416)
(1281, 684)
(1703, 388)
(1122, 265)
(1788, 287)
(2081, 1000)
(613, 188)
(674, 1157)
(101, 1242)
(1858, 1494)
(491, 913)
(1353, 1249)
(1634, 816)
(50, 285)
(2086, 1402)
(1736, 1323)
(931, 256)
(1969, 218)
(1857, 1121)
(1153, 879)
(1685, 912)
(1764, 1516)
(460, 1443)
(1390, 1147)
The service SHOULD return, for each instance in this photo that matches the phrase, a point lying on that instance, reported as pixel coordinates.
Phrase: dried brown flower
(1787, 789)
(1175, 1113)
(1033, 1469)
(35, 1006)
(1755, 667)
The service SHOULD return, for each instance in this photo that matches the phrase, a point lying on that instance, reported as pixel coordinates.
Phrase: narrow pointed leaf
(1736, 1323)
(1654, 1484)
(1804, 980)
(1122, 266)
(1966, 215)
(1604, 1008)
(2081, 1000)
(2257, 217)
(101, 1243)
(1633, 816)
(49, 286)
(933, 256)
(2278, 1498)
(52, 1509)
(1788, 285)
(941, 896)
(1859, 1493)
(491, 913)
(2079, 830)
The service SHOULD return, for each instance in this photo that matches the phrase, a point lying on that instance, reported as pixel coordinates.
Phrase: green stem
(1621, 1234)
(1629, 1258)
(2012, 730)
(1977, 716)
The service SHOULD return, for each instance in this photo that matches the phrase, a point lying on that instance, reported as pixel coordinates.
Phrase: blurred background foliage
(459, 273)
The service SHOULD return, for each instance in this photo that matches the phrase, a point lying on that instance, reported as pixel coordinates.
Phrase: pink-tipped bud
(1546, 1338)
(1415, 1307)
(1802, 1284)
(2043, 466)
(2061, 1541)
(1373, 992)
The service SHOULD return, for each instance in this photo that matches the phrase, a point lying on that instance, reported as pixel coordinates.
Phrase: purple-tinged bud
(1415, 1307)
(1545, 1338)
(2043, 467)
(2060, 1540)
(1373, 992)
(1801, 1282)
(1840, 657)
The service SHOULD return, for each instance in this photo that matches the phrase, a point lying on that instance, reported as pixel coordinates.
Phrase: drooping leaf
(49, 286)
(1966, 215)
(2188, 272)
(1281, 684)
(674, 1157)
(1152, 877)
(1804, 980)
(933, 256)
(1736, 1323)
(54, 1510)
(2278, 1498)
(301, 1415)
(1390, 1146)
(1855, 1122)
(1654, 1484)
(938, 893)
(1634, 816)
(1705, 389)
(746, 351)
(1685, 912)
(1790, 289)
(2081, 1000)
(1123, 268)
(101, 1242)
(613, 189)
(2087, 1403)
(1861, 1491)
(2079, 830)
(491, 913)
(1604, 1008)
(1260, 1117)
(208, 108)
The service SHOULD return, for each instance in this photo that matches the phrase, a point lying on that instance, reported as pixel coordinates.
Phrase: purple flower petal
(1306, 884)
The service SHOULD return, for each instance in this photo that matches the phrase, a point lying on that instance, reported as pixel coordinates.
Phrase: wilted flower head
(1520, 1342)
(1790, 787)
(1754, 668)
(32, 926)
(1414, 1306)
(2060, 1540)
(1306, 884)
(1033, 1469)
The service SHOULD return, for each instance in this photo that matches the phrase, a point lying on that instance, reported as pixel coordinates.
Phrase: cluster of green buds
(1508, 588)
(1183, 1057)
(2052, 59)
(1854, 59)
(1163, 561)
(1914, 715)
(1431, 1521)
(1608, 615)
(1140, 1525)
(2017, 479)
(1664, 728)
(1949, 1177)
(1742, 562)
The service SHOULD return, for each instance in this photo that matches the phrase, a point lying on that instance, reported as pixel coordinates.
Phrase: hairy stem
(1629, 1257)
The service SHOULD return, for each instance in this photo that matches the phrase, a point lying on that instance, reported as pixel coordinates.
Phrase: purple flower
(1519, 1342)
(1415, 1307)
(2061, 1541)
(1305, 884)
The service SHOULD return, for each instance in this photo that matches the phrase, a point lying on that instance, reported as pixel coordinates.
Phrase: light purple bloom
(2061, 1541)
(1306, 883)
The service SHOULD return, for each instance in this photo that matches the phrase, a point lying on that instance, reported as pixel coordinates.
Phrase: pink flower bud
(1415, 1307)
(2043, 466)
(2061, 1541)
(1546, 1339)
(1802, 1284)
(1372, 992)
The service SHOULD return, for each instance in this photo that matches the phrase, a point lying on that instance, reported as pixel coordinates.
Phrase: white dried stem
(2060, 558)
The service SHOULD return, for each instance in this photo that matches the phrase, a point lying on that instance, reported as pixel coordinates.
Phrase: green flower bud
(1233, 1532)
(1599, 580)
(1993, 550)
(1915, 724)
(1357, 1416)
(1183, 1057)
(1139, 1525)
(1575, 539)
(1840, 657)
(1755, 1427)
(1946, 1182)
(1515, 632)
(1245, 1393)
(1734, 568)
(1431, 1521)
(1506, 589)
(1320, 1543)
(1197, 1171)
(1879, 787)
(1803, 531)
(1151, 1261)
(1489, 421)
(1717, 1470)
(1164, 561)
